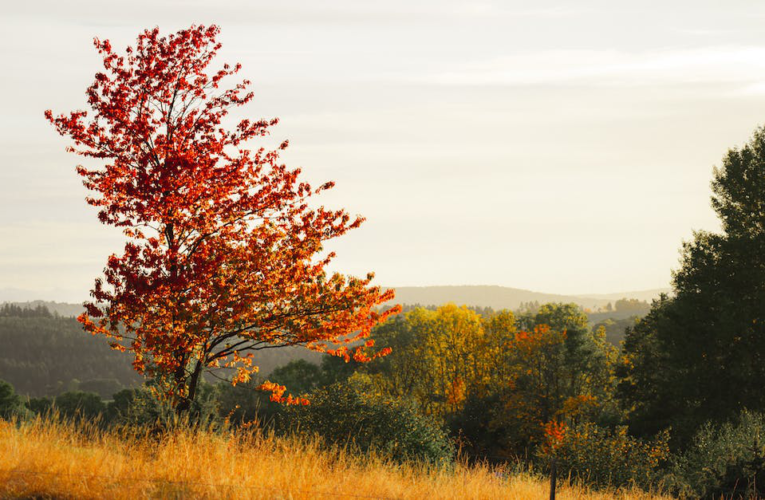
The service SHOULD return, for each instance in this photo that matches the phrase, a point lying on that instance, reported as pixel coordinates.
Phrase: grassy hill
(48, 460)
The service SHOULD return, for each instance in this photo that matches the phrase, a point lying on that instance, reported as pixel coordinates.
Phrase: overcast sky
(564, 147)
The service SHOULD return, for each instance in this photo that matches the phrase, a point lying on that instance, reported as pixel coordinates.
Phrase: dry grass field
(52, 460)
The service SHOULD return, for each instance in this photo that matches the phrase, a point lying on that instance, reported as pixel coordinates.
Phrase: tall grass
(49, 459)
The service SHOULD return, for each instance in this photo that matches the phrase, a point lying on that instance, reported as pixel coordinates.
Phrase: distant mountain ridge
(496, 297)
(499, 297)
(644, 295)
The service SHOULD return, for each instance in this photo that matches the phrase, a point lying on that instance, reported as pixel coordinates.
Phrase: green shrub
(243, 403)
(40, 406)
(481, 432)
(80, 405)
(141, 408)
(604, 457)
(11, 405)
(725, 460)
(350, 414)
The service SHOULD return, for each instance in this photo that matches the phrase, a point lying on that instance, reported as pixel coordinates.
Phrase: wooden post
(552, 478)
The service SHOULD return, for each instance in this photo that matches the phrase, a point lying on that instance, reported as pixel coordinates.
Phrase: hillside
(45, 355)
(42, 354)
(644, 295)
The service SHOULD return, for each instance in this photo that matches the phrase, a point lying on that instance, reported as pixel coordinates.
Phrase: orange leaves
(579, 404)
(456, 394)
(384, 351)
(554, 432)
(277, 394)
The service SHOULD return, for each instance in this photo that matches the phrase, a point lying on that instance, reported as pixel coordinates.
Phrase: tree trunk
(185, 404)
(553, 477)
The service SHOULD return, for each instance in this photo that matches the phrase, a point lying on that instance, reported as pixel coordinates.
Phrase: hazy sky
(564, 147)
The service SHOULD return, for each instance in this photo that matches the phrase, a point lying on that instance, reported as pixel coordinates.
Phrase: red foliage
(224, 255)
(554, 433)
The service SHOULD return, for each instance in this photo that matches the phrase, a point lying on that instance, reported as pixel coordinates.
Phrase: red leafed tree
(224, 254)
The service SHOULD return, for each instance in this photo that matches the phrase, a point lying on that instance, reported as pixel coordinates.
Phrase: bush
(11, 405)
(40, 406)
(481, 434)
(603, 457)
(140, 408)
(724, 461)
(350, 413)
(243, 403)
(80, 405)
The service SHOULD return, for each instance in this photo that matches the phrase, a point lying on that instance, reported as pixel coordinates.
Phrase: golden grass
(52, 460)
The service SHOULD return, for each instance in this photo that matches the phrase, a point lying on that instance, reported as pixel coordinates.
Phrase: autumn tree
(440, 357)
(225, 253)
(550, 369)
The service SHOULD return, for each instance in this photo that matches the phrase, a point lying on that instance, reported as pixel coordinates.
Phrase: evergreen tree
(699, 356)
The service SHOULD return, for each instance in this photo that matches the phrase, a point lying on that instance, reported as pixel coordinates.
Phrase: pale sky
(562, 147)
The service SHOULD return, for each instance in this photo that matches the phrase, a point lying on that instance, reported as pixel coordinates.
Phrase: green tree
(299, 376)
(244, 404)
(336, 370)
(615, 329)
(586, 357)
(700, 355)
(633, 306)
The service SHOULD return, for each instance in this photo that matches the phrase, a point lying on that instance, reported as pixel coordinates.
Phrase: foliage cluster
(352, 413)
(497, 379)
(11, 405)
(615, 329)
(605, 457)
